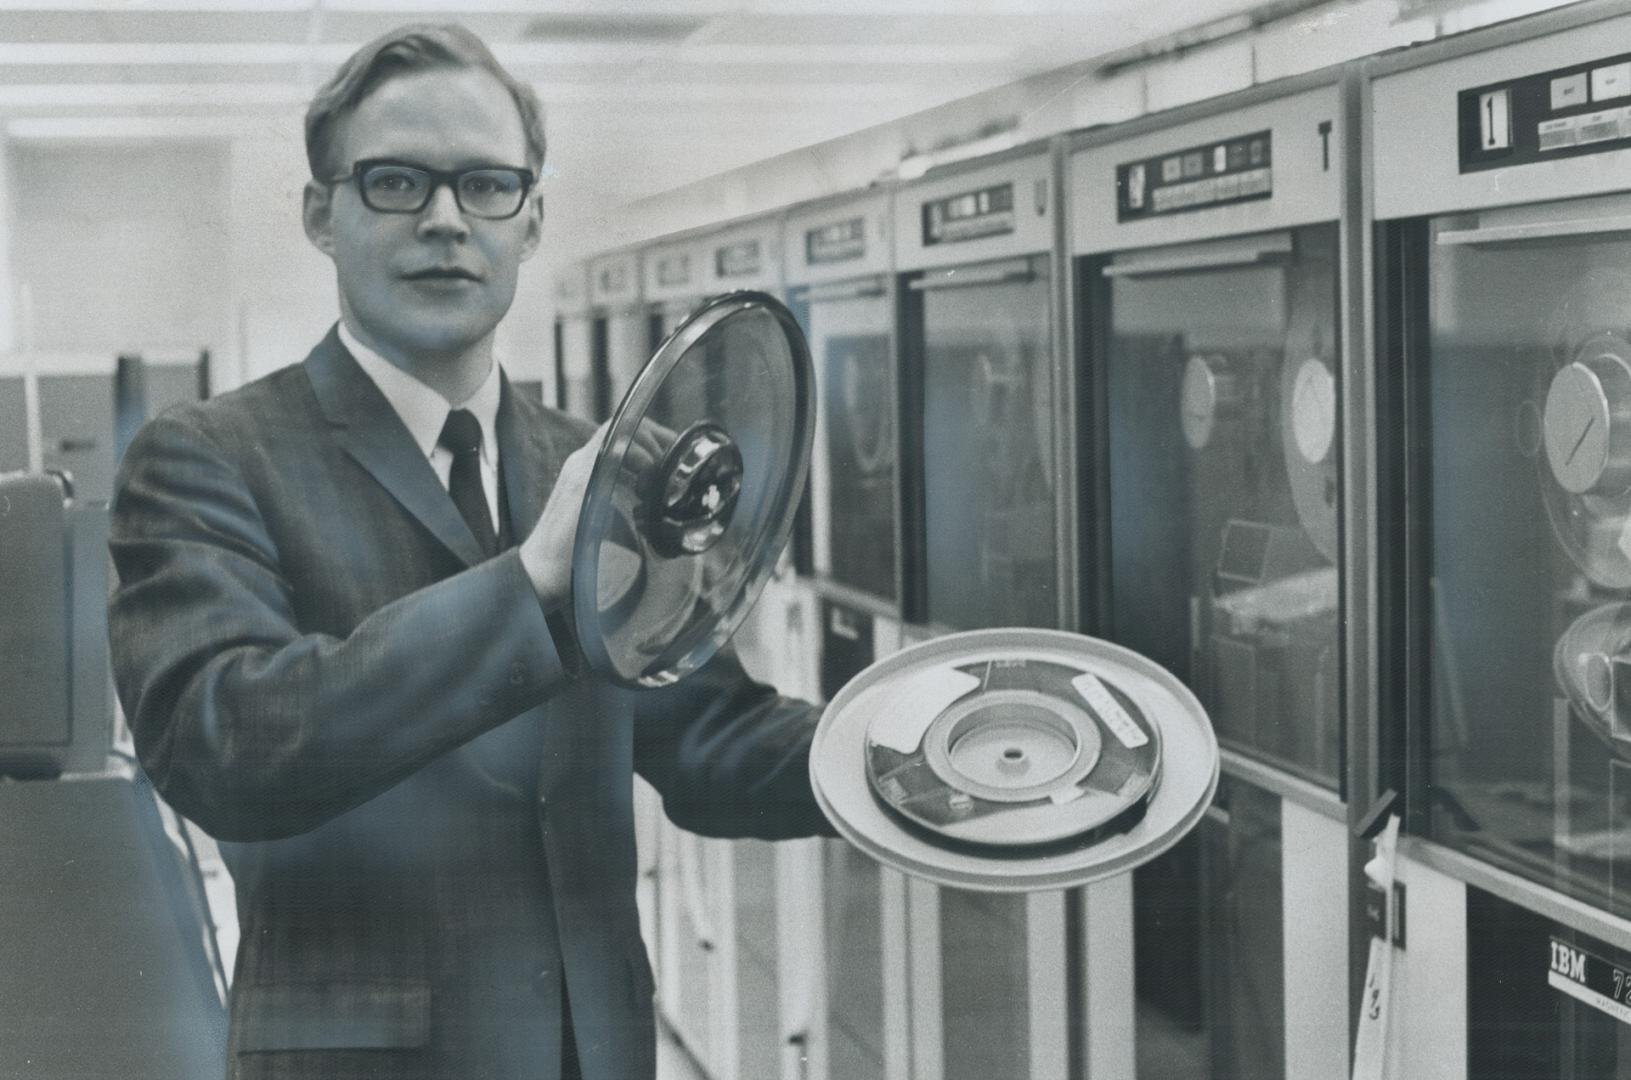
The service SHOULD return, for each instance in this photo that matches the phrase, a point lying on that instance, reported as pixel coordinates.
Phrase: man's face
(432, 284)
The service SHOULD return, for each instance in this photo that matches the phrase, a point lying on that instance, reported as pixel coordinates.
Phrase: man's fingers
(646, 448)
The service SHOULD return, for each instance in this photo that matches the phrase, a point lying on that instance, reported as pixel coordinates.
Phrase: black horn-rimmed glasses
(389, 186)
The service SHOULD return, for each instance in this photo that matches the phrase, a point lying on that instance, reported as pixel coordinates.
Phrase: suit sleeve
(729, 756)
(253, 729)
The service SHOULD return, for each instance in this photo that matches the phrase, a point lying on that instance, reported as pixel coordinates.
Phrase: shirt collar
(424, 411)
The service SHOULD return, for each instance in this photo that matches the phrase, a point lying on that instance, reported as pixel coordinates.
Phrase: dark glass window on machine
(853, 471)
(1222, 390)
(1539, 997)
(559, 338)
(988, 470)
(1525, 590)
(600, 379)
(1209, 940)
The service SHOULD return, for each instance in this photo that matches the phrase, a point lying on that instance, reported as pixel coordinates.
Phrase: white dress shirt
(424, 412)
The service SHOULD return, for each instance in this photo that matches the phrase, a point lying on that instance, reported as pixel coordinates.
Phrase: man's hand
(546, 554)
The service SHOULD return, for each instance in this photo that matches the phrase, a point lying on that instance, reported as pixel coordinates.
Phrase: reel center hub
(694, 491)
(1012, 746)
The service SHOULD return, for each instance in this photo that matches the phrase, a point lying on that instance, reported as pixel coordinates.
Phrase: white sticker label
(1613, 81)
(903, 717)
(1375, 1008)
(1557, 134)
(1600, 126)
(1569, 91)
(1098, 696)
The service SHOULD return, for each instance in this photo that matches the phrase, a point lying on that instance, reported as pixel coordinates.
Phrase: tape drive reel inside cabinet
(1584, 470)
(1259, 425)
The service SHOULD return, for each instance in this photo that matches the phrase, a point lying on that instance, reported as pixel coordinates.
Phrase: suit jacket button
(518, 673)
(545, 981)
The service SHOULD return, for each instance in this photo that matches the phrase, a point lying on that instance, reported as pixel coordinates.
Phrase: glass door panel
(1528, 570)
(683, 397)
(1223, 447)
(853, 471)
(987, 445)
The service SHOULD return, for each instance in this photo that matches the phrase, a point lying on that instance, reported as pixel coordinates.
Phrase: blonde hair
(406, 50)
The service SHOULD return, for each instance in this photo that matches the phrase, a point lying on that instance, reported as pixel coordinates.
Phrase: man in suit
(333, 659)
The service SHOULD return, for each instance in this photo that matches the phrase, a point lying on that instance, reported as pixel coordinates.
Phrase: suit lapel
(530, 455)
(529, 459)
(372, 433)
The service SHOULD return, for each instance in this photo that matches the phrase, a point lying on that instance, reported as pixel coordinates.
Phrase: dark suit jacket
(427, 822)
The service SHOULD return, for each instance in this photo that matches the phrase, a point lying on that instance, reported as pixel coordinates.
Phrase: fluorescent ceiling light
(667, 28)
(86, 95)
(196, 53)
(791, 55)
(142, 7)
(113, 128)
(743, 97)
(189, 54)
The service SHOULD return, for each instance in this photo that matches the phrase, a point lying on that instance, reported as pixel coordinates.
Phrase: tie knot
(462, 432)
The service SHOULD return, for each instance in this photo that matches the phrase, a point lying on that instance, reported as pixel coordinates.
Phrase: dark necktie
(461, 435)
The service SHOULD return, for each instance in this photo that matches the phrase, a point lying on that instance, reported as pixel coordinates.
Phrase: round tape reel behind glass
(1308, 405)
(693, 494)
(1584, 461)
(1592, 665)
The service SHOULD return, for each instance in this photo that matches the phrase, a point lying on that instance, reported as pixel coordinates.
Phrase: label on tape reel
(913, 704)
(1122, 726)
(1002, 751)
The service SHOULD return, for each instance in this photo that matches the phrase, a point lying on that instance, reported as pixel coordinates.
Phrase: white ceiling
(641, 95)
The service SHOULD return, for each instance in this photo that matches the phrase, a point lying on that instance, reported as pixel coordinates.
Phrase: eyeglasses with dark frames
(389, 186)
